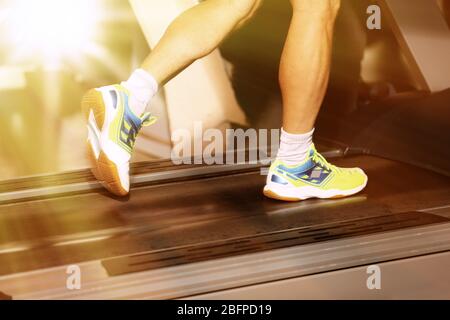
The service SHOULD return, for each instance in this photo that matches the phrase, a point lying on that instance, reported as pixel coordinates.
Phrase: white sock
(294, 148)
(143, 87)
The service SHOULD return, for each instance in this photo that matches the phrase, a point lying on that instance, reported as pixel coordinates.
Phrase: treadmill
(198, 231)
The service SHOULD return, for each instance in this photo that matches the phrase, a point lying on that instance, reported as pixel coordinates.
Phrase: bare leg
(305, 64)
(195, 34)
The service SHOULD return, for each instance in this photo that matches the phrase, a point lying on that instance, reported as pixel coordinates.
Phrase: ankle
(142, 87)
(294, 148)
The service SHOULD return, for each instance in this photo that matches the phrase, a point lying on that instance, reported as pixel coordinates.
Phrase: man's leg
(305, 64)
(300, 172)
(191, 36)
(195, 34)
(304, 73)
(115, 114)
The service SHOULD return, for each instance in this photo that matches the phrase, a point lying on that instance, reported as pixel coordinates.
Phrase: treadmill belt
(240, 246)
(205, 210)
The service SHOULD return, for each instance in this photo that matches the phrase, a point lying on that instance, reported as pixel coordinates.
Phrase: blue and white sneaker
(112, 131)
(314, 178)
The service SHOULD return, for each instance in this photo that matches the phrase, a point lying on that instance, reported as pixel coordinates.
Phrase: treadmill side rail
(236, 272)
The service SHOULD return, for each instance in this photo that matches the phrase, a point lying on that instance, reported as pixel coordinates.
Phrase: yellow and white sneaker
(314, 178)
(112, 131)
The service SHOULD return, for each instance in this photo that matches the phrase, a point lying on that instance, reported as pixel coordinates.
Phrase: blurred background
(44, 71)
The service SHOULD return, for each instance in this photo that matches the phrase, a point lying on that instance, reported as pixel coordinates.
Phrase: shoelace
(147, 120)
(318, 158)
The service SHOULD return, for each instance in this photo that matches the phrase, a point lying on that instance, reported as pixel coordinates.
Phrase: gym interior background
(44, 73)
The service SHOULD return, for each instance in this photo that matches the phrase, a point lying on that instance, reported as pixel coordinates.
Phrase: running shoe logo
(317, 173)
(309, 173)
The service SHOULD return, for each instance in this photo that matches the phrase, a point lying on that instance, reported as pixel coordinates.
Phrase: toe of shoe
(355, 178)
(361, 178)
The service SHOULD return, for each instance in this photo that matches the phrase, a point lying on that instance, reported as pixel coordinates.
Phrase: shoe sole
(104, 170)
(301, 194)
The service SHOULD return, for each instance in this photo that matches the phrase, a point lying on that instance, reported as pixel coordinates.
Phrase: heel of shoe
(93, 102)
(110, 175)
(93, 161)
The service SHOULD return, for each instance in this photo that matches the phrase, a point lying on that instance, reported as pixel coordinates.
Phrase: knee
(327, 8)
